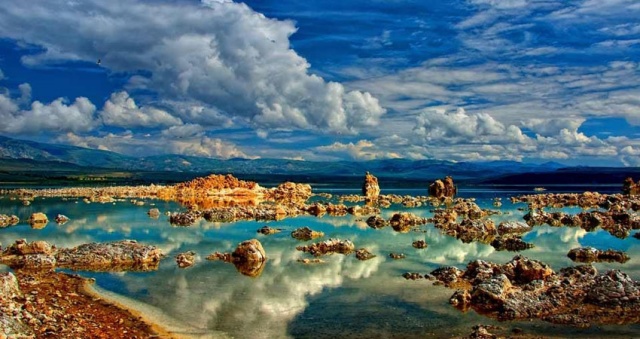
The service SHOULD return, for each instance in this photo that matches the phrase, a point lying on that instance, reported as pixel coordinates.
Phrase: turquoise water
(342, 297)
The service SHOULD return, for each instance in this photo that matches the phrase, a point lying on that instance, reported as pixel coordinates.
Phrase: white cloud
(167, 141)
(221, 55)
(361, 150)
(57, 116)
(122, 111)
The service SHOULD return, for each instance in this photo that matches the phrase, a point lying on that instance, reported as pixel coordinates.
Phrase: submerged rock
(420, 244)
(412, 276)
(61, 219)
(305, 234)
(404, 222)
(153, 213)
(397, 256)
(364, 254)
(186, 259)
(329, 247)
(590, 254)
(266, 230)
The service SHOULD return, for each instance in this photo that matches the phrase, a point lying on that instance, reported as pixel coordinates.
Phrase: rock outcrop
(290, 193)
(364, 254)
(529, 289)
(443, 188)
(370, 187)
(38, 220)
(118, 256)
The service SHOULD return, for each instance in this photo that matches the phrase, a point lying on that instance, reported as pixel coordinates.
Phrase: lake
(342, 297)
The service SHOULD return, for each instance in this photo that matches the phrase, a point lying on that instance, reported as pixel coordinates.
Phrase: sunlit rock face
(443, 188)
(370, 187)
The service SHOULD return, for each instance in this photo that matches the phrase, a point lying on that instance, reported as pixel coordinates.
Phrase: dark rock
(266, 230)
(510, 243)
(376, 221)
(61, 219)
(412, 276)
(186, 259)
(396, 256)
(420, 244)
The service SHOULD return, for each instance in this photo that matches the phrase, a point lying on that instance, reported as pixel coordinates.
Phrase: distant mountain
(70, 156)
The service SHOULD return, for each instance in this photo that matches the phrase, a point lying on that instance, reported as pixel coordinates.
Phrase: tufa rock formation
(370, 187)
(249, 257)
(630, 188)
(443, 188)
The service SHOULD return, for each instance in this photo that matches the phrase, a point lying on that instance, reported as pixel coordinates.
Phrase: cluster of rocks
(443, 188)
(8, 220)
(590, 254)
(328, 247)
(613, 202)
(419, 244)
(468, 230)
(92, 194)
(289, 193)
(618, 224)
(126, 255)
(319, 209)
(511, 242)
(530, 289)
(249, 257)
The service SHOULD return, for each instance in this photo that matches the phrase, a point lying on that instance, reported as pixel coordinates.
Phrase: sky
(459, 80)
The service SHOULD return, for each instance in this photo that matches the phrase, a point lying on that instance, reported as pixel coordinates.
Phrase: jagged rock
(443, 188)
(186, 259)
(510, 243)
(412, 276)
(329, 247)
(614, 288)
(317, 209)
(266, 230)
(249, 257)
(590, 254)
(376, 221)
(396, 256)
(6, 220)
(482, 332)
(61, 219)
(370, 187)
(305, 234)
(364, 254)
(14, 318)
(513, 227)
(153, 213)
(420, 244)
(38, 220)
(118, 256)
(307, 261)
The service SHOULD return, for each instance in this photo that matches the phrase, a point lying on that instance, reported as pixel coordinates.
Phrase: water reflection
(342, 296)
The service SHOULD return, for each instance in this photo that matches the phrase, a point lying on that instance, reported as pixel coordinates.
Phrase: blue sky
(462, 80)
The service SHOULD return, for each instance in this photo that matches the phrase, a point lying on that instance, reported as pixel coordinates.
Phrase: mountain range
(20, 156)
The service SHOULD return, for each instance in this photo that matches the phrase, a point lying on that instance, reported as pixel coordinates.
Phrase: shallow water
(342, 297)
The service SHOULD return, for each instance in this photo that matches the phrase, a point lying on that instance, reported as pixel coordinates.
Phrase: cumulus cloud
(122, 111)
(54, 117)
(220, 54)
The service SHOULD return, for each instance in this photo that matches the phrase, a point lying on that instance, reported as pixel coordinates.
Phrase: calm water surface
(342, 297)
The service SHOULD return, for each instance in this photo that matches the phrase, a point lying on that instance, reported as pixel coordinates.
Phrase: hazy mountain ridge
(71, 156)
